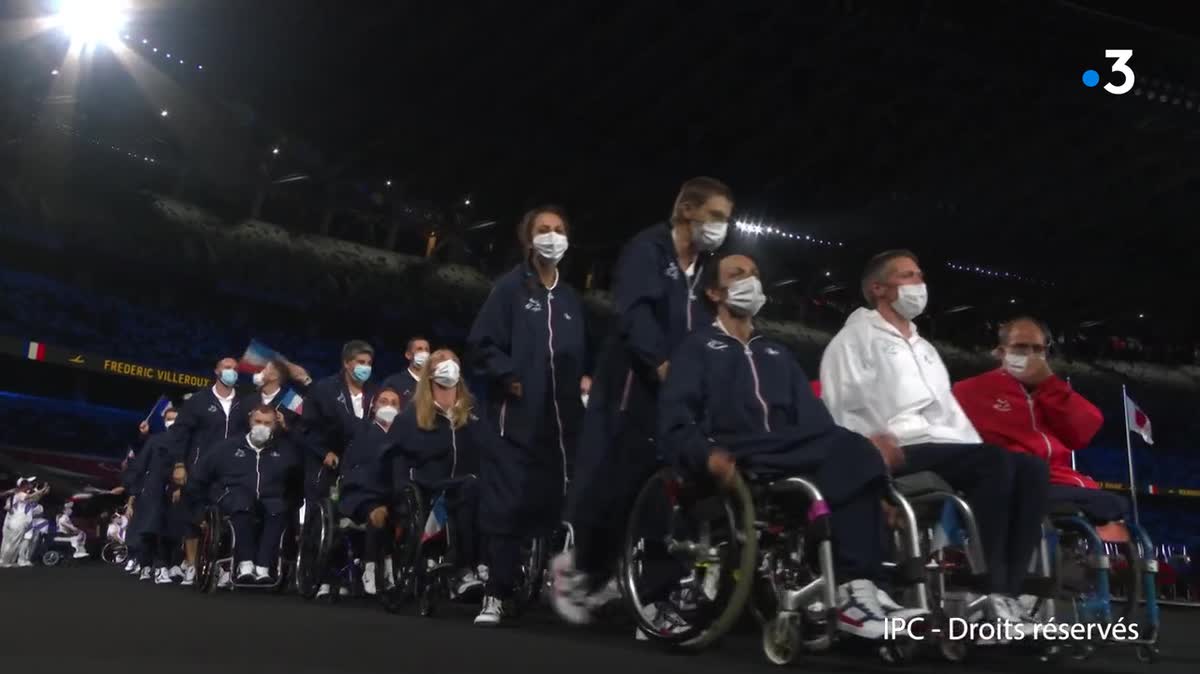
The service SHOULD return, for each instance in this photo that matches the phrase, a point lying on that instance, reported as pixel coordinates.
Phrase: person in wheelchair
(1025, 408)
(364, 489)
(880, 378)
(436, 445)
(735, 399)
(253, 473)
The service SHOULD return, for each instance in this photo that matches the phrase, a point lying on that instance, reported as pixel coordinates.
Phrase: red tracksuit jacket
(1049, 422)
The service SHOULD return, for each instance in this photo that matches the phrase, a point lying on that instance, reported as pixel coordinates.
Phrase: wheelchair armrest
(921, 484)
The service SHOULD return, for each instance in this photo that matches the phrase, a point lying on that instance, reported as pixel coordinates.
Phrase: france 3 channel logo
(1121, 72)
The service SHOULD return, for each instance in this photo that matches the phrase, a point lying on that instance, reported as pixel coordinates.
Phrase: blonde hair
(427, 411)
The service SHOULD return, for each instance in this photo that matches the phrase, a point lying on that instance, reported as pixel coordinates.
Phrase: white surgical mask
(446, 374)
(386, 414)
(710, 235)
(259, 435)
(420, 358)
(259, 379)
(551, 246)
(169, 424)
(911, 300)
(746, 296)
(1015, 364)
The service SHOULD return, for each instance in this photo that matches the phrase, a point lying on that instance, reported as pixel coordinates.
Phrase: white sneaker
(245, 572)
(995, 609)
(1020, 615)
(859, 610)
(24, 564)
(343, 591)
(894, 610)
(177, 572)
(469, 581)
(389, 573)
(132, 567)
(224, 580)
(604, 596)
(323, 591)
(146, 573)
(665, 620)
(492, 613)
(162, 577)
(189, 576)
(262, 575)
(368, 578)
(568, 591)
(81, 554)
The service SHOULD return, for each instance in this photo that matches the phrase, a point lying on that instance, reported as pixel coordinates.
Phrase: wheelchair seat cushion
(1064, 509)
(922, 483)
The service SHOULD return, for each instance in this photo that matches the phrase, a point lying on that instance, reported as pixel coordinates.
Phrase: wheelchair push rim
(316, 544)
(734, 560)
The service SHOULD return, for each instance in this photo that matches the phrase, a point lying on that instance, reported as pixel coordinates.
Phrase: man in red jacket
(1024, 407)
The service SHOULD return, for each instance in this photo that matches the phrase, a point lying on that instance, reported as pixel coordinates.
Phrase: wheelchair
(115, 552)
(322, 533)
(214, 556)
(423, 561)
(1079, 571)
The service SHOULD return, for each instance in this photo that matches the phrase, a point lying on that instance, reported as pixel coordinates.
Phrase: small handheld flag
(435, 524)
(292, 401)
(256, 357)
(155, 418)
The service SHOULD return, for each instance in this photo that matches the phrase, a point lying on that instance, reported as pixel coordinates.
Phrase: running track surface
(94, 619)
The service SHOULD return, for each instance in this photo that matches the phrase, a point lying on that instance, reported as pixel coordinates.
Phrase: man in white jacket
(883, 380)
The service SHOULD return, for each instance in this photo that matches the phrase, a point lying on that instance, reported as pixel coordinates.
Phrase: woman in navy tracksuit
(528, 342)
(737, 398)
(366, 491)
(254, 476)
(148, 486)
(654, 291)
(437, 445)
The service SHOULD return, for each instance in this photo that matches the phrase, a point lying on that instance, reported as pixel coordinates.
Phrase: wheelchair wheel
(208, 551)
(51, 558)
(115, 553)
(408, 521)
(316, 545)
(533, 572)
(707, 542)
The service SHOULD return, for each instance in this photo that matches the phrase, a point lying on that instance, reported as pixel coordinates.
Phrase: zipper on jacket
(257, 475)
(1033, 420)
(691, 289)
(554, 382)
(757, 391)
(453, 447)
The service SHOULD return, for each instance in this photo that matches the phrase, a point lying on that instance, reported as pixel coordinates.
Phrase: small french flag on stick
(256, 357)
(435, 524)
(36, 351)
(293, 402)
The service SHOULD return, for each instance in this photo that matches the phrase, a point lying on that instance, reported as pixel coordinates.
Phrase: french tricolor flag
(36, 351)
(256, 357)
(435, 524)
(292, 401)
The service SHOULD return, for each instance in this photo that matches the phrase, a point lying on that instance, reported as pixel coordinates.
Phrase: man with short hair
(252, 472)
(1025, 408)
(206, 418)
(279, 384)
(405, 383)
(335, 408)
(881, 379)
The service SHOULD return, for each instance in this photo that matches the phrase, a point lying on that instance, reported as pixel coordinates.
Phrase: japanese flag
(1138, 421)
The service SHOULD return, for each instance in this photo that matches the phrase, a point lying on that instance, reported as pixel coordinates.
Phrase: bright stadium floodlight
(92, 21)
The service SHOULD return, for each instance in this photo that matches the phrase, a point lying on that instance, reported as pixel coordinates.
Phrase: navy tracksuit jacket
(534, 335)
(754, 401)
(405, 384)
(328, 424)
(364, 481)
(657, 306)
(249, 401)
(202, 423)
(243, 477)
(150, 481)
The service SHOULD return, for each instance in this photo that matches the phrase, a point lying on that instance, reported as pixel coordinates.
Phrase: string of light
(165, 53)
(995, 273)
(760, 229)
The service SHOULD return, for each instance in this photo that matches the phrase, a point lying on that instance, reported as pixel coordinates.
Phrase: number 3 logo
(1121, 66)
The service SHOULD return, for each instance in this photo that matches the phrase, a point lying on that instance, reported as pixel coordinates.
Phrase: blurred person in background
(149, 487)
(405, 383)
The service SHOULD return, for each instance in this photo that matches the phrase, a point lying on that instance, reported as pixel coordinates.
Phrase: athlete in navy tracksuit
(528, 343)
(437, 444)
(657, 306)
(334, 409)
(148, 486)
(276, 387)
(735, 397)
(366, 487)
(405, 383)
(253, 476)
(206, 418)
